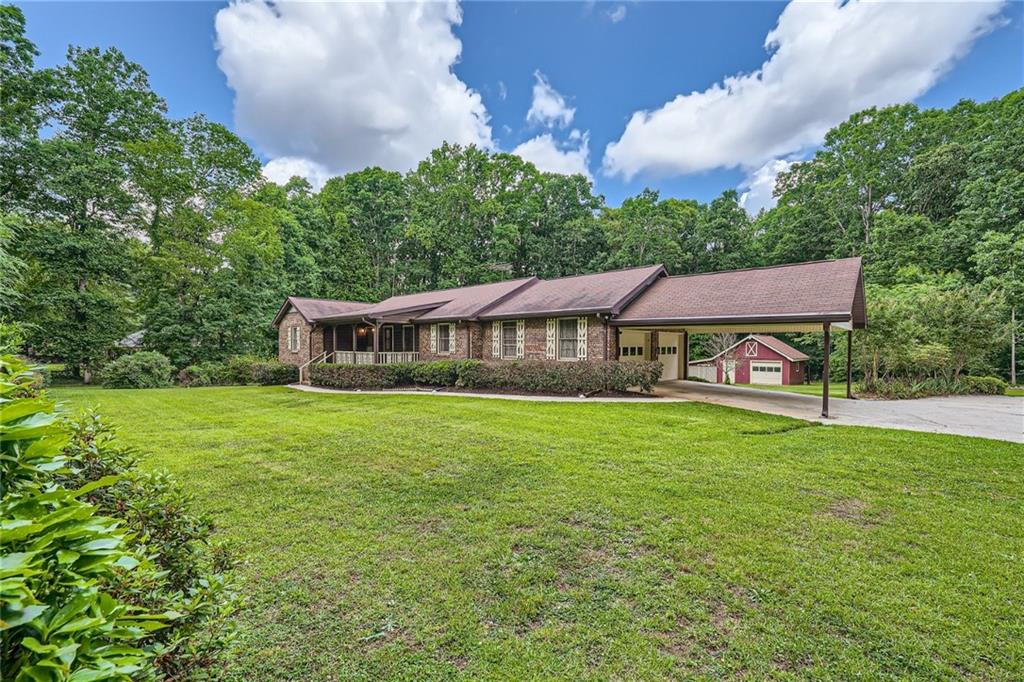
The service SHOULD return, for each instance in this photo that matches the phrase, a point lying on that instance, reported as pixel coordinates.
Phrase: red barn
(756, 359)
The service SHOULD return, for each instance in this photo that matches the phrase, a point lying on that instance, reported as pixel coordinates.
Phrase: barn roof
(781, 347)
(601, 292)
(820, 291)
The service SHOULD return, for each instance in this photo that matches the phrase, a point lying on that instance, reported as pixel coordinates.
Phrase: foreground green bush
(528, 376)
(106, 574)
(272, 372)
(145, 369)
(984, 385)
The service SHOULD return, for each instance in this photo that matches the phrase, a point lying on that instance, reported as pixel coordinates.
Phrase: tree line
(115, 217)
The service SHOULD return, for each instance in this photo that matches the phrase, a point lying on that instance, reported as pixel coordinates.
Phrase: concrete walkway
(998, 417)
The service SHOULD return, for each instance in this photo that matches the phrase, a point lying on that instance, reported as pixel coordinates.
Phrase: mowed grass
(415, 537)
(835, 389)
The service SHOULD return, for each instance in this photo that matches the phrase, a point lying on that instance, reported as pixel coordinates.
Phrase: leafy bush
(984, 385)
(900, 389)
(272, 372)
(205, 374)
(145, 369)
(531, 376)
(107, 575)
(239, 370)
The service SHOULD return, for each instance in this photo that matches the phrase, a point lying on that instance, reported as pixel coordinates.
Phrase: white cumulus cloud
(548, 107)
(547, 155)
(828, 60)
(617, 14)
(759, 186)
(284, 168)
(335, 87)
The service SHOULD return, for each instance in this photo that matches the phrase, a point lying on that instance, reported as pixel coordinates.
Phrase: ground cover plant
(432, 537)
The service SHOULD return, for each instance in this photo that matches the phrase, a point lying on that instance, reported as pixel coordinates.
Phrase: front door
(388, 337)
(668, 353)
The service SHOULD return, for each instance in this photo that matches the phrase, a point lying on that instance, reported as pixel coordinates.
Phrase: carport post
(849, 363)
(686, 355)
(824, 370)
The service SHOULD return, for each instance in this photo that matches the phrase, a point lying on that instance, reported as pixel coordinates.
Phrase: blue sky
(371, 96)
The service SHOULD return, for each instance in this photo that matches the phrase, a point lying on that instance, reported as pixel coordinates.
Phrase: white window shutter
(433, 338)
(520, 338)
(496, 339)
(581, 333)
(549, 346)
(451, 337)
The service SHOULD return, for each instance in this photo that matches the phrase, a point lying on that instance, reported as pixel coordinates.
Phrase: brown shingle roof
(818, 291)
(460, 303)
(602, 292)
(314, 309)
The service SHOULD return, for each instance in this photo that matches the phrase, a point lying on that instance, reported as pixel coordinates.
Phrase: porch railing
(349, 357)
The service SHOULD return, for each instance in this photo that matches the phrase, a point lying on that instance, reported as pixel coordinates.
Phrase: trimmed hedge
(239, 370)
(984, 385)
(145, 369)
(530, 376)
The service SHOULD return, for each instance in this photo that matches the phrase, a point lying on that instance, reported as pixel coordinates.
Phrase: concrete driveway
(998, 417)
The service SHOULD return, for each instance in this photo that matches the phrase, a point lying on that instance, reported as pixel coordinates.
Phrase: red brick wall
(535, 335)
(295, 319)
(466, 334)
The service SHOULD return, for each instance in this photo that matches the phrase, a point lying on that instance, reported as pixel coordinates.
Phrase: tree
(643, 231)
(79, 247)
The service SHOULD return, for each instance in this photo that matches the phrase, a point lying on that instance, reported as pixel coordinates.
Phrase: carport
(822, 296)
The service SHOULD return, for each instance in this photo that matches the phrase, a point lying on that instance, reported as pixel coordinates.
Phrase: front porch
(351, 357)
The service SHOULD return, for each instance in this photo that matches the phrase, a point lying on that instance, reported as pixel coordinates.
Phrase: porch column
(824, 370)
(686, 355)
(849, 363)
(376, 340)
(354, 325)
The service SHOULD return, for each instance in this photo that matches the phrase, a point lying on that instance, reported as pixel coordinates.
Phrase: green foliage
(206, 374)
(529, 376)
(239, 370)
(270, 372)
(901, 388)
(145, 369)
(106, 573)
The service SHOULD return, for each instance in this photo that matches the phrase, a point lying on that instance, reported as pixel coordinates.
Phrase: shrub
(531, 376)
(984, 385)
(206, 374)
(145, 369)
(240, 369)
(438, 372)
(272, 372)
(898, 389)
(106, 573)
(362, 376)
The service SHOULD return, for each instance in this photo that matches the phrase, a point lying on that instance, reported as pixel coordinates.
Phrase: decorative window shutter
(451, 337)
(549, 346)
(433, 338)
(581, 333)
(496, 339)
(520, 338)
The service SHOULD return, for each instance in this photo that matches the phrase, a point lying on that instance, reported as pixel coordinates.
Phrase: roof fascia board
(736, 319)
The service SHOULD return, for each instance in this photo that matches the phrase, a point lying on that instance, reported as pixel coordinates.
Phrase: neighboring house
(756, 359)
(630, 315)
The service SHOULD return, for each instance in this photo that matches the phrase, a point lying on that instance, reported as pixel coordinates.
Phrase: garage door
(766, 372)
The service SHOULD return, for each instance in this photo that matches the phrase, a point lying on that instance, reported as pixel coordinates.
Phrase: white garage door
(766, 372)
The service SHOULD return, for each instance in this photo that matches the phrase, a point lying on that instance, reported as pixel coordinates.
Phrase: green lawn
(408, 537)
(835, 389)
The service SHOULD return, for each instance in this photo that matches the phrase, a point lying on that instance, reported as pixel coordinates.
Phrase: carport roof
(820, 291)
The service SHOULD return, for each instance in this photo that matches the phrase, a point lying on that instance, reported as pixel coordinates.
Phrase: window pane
(508, 339)
(443, 338)
(567, 331)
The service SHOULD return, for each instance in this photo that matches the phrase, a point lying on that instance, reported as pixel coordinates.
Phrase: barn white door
(668, 353)
(766, 372)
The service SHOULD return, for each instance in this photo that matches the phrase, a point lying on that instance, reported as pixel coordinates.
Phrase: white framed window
(568, 338)
(509, 340)
(444, 339)
(293, 339)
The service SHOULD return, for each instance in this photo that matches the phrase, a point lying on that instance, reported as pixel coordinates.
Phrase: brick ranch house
(628, 315)
(756, 359)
